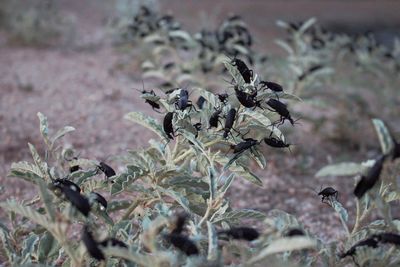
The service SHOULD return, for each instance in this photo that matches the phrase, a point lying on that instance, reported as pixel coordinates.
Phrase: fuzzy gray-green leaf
(147, 122)
(28, 247)
(240, 214)
(234, 72)
(47, 199)
(60, 133)
(385, 139)
(44, 126)
(341, 169)
(340, 210)
(26, 171)
(124, 179)
(284, 244)
(46, 244)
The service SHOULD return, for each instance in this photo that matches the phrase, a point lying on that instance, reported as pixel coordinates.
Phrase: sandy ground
(79, 87)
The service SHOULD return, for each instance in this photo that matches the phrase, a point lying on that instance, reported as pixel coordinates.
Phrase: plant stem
(206, 214)
(184, 155)
(130, 209)
(358, 217)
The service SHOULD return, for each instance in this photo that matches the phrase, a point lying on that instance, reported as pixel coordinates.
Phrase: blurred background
(73, 61)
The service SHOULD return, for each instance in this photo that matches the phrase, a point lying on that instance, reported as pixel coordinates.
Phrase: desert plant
(186, 177)
(36, 23)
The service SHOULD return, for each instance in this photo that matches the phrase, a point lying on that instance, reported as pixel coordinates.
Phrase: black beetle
(248, 143)
(275, 142)
(391, 238)
(154, 105)
(370, 242)
(214, 118)
(223, 98)
(369, 180)
(200, 102)
(280, 108)
(247, 100)
(197, 126)
(183, 101)
(91, 244)
(271, 86)
(77, 200)
(179, 223)
(183, 243)
(167, 125)
(64, 182)
(245, 233)
(230, 119)
(100, 199)
(106, 169)
(113, 242)
(246, 73)
(74, 168)
(294, 232)
(327, 193)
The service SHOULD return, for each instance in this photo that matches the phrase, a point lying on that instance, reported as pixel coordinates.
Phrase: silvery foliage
(190, 174)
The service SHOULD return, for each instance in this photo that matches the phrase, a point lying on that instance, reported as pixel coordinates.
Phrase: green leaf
(281, 95)
(125, 179)
(191, 137)
(241, 49)
(342, 169)
(81, 176)
(28, 247)
(234, 72)
(5, 241)
(240, 171)
(186, 182)
(285, 46)
(153, 38)
(340, 210)
(47, 199)
(118, 205)
(38, 161)
(46, 245)
(263, 121)
(210, 97)
(60, 133)
(282, 220)
(240, 214)
(155, 74)
(28, 212)
(44, 127)
(26, 171)
(306, 25)
(184, 36)
(227, 183)
(147, 122)
(283, 245)
(177, 197)
(385, 139)
(212, 253)
(258, 157)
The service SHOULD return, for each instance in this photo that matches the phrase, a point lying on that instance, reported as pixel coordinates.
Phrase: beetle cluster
(222, 111)
(231, 38)
(147, 21)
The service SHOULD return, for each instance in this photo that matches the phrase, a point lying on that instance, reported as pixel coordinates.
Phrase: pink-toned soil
(80, 87)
